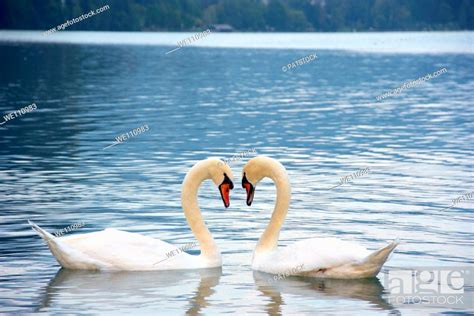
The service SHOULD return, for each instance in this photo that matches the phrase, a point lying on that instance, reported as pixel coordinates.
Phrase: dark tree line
(242, 15)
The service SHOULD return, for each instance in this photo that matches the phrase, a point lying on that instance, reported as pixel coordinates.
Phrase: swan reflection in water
(122, 291)
(125, 290)
(363, 290)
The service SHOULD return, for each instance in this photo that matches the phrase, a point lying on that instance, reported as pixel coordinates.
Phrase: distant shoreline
(446, 42)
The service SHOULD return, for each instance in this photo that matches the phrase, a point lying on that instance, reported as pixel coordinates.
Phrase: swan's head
(221, 174)
(255, 170)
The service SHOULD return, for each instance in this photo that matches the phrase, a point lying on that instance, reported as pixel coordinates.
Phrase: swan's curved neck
(269, 239)
(191, 209)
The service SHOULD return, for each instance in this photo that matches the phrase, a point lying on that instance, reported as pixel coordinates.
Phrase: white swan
(315, 257)
(113, 249)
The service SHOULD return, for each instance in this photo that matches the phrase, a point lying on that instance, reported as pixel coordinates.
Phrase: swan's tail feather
(53, 244)
(368, 267)
(372, 264)
(380, 256)
(43, 234)
(67, 256)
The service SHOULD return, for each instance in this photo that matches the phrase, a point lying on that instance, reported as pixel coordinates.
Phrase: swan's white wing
(112, 249)
(312, 254)
(120, 250)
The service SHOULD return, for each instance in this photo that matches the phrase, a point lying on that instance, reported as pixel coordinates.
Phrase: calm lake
(224, 95)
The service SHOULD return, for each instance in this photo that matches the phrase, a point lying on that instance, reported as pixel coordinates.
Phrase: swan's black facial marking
(249, 188)
(224, 189)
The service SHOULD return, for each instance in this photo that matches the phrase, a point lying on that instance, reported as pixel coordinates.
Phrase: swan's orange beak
(249, 188)
(225, 188)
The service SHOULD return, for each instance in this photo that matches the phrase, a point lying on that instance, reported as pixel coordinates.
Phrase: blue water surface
(321, 120)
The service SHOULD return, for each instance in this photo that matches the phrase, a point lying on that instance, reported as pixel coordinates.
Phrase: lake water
(224, 96)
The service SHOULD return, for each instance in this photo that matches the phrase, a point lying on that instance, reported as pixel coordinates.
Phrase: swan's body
(315, 257)
(324, 258)
(112, 249)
